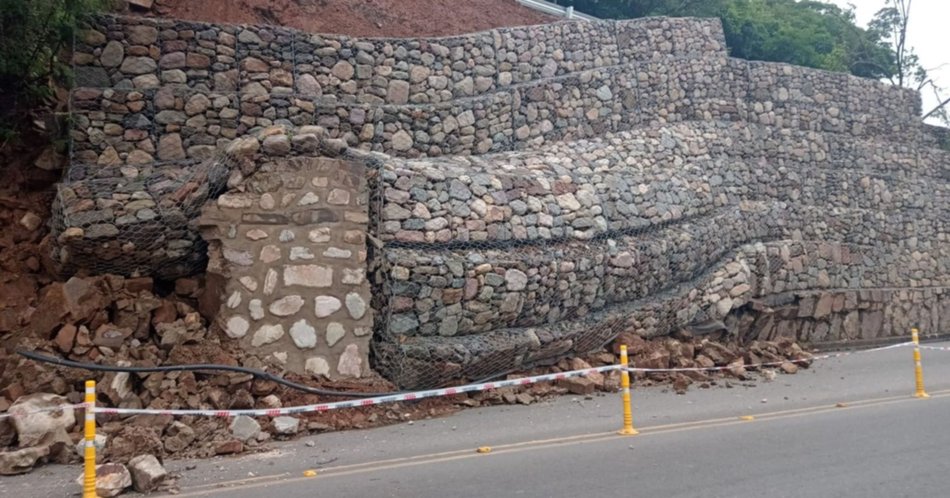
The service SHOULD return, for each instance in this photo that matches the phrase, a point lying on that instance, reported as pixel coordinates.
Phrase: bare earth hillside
(378, 18)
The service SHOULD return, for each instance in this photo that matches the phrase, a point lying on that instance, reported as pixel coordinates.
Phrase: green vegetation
(806, 33)
(890, 24)
(33, 34)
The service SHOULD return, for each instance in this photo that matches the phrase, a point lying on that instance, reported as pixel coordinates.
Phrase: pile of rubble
(719, 351)
(116, 321)
(123, 322)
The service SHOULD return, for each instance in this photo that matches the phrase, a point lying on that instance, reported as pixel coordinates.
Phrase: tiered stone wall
(582, 179)
(162, 90)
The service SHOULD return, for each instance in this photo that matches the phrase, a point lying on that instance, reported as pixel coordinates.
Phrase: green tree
(33, 34)
(890, 24)
(807, 33)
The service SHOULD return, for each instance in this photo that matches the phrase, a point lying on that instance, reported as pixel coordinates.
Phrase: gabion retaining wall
(532, 192)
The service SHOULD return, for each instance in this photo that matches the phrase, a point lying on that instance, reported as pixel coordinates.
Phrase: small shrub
(34, 35)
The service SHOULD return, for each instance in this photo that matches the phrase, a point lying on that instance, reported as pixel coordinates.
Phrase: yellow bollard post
(89, 454)
(628, 429)
(918, 369)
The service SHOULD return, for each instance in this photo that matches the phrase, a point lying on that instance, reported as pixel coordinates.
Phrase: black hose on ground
(195, 368)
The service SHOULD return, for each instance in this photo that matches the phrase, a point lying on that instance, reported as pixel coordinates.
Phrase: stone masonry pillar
(289, 248)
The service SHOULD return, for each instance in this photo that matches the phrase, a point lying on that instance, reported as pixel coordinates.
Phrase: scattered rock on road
(286, 426)
(111, 479)
(245, 428)
(578, 385)
(21, 461)
(147, 473)
(178, 436)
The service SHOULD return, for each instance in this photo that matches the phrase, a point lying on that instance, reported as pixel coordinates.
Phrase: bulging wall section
(689, 225)
(531, 192)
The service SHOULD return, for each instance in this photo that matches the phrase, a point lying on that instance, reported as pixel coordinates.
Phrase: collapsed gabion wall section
(582, 180)
(138, 221)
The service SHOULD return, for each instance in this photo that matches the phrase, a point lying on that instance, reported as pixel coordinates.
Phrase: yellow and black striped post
(628, 429)
(918, 369)
(89, 453)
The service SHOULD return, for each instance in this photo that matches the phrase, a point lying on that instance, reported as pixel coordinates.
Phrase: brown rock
(165, 313)
(451, 296)
(229, 447)
(681, 384)
(241, 400)
(824, 305)
(737, 368)
(111, 479)
(789, 368)
(579, 364)
(65, 338)
(76, 301)
(578, 385)
(636, 345)
(147, 473)
(197, 61)
(139, 284)
(142, 35)
(254, 65)
(718, 353)
(604, 358)
(170, 147)
(178, 437)
(13, 391)
(21, 461)
(110, 336)
(8, 320)
(657, 358)
(133, 440)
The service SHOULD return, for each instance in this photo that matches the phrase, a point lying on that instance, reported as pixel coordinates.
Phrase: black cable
(190, 368)
(226, 368)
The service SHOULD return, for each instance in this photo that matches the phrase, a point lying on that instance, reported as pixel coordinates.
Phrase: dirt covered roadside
(365, 18)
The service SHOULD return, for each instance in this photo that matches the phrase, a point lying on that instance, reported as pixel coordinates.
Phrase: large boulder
(46, 418)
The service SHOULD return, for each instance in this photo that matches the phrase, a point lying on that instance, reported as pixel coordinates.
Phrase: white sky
(928, 33)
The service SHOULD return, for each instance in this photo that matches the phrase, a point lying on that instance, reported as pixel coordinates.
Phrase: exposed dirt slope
(377, 18)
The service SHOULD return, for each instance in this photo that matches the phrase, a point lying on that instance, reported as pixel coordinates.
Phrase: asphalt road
(846, 427)
(887, 449)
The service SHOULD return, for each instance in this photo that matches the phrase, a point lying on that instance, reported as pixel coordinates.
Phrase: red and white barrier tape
(379, 400)
(768, 364)
(432, 393)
